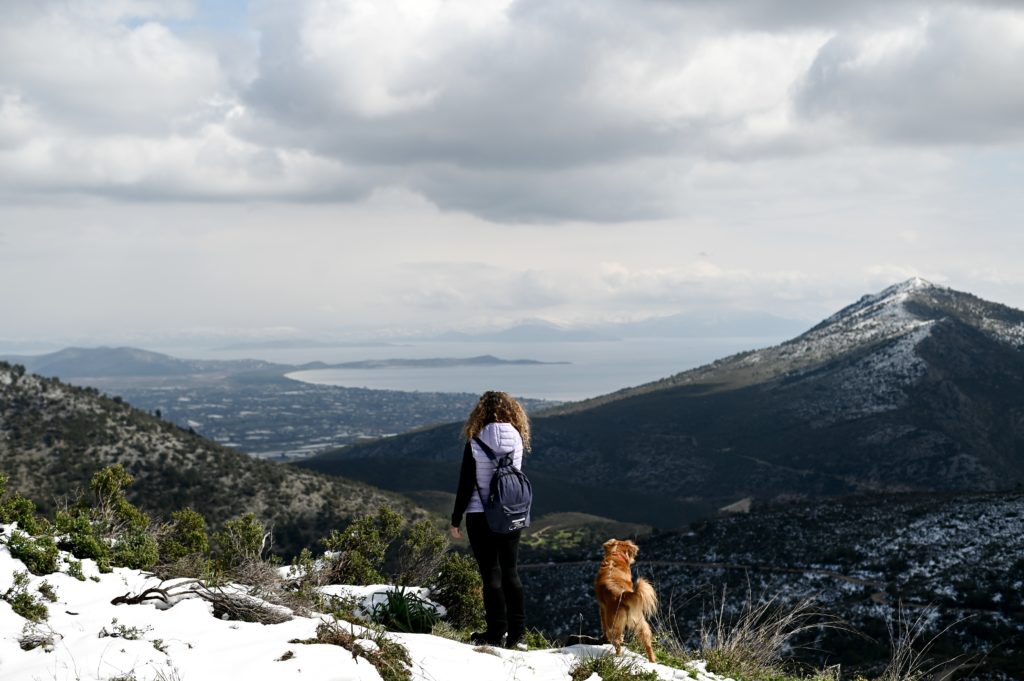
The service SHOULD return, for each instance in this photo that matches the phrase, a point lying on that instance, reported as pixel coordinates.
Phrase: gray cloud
(952, 78)
(513, 110)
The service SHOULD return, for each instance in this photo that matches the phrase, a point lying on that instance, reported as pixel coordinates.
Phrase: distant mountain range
(917, 387)
(696, 324)
(105, 362)
(121, 362)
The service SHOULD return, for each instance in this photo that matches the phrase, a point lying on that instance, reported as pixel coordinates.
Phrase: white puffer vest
(501, 438)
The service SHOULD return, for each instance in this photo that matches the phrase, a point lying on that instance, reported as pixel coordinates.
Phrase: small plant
(445, 630)
(159, 644)
(459, 589)
(405, 612)
(75, 569)
(118, 630)
(125, 676)
(536, 640)
(47, 591)
(23, 602)
(611, 668)
(391, 659)
(35, 635)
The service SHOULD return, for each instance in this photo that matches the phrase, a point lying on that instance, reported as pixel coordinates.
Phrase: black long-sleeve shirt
(467, 485)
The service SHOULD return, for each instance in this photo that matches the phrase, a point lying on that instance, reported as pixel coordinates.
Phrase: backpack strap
(490, 452)
(493, 457)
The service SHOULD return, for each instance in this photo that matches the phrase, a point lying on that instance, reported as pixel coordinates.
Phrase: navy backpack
(507, 506)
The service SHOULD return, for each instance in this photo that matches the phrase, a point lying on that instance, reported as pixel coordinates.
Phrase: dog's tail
(642, 598)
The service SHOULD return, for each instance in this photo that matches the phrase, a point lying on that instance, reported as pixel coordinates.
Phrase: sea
(579, 370)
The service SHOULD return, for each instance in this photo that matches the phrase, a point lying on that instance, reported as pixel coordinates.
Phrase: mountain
(120, 362)
(918, 387)
(53, 437)
(124, 362)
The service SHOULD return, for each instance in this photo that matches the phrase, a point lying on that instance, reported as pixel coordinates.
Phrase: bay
(592, 368)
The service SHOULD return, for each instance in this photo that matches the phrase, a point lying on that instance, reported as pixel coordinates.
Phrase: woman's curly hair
(497, 407)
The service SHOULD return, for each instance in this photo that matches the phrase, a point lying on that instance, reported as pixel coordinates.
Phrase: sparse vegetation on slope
(54, 437)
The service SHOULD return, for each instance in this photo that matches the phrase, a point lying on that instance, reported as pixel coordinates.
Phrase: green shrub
(421, 554)
(111, 531)
(136, 550)
(405, 612)
(23, 602)
(240, 541)
(39, 554)
(78, 536)
(111, 511)
(184, 536)
(459, 589)
(361, 547)
(17, 509)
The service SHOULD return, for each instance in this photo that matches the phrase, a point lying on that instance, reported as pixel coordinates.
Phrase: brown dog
(620, 603)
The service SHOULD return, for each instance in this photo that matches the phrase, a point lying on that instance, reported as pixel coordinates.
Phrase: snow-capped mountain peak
(888, 303)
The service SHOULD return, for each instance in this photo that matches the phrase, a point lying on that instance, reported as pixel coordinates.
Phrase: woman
(501, 423)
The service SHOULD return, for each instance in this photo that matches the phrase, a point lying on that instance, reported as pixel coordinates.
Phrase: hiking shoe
(516, 641)
(478, 638)
(517, 644)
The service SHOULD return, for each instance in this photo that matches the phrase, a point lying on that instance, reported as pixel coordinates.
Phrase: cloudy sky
(328, 167)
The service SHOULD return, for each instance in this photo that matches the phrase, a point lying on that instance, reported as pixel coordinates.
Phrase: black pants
(496, 555)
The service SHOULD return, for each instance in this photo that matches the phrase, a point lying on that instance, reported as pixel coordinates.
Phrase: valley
(251, 406)
(872, 464)
(952, 562)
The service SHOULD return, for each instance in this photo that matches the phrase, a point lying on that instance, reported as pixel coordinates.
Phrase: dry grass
(911, 658)
(753, 643)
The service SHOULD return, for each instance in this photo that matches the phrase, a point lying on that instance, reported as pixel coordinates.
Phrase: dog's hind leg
(643, 632)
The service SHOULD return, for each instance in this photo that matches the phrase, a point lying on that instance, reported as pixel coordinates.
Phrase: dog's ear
(631, 549)
(610, 545)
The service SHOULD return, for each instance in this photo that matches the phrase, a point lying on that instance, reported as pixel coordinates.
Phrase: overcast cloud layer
(253, 165)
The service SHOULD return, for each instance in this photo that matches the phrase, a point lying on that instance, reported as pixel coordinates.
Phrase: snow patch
(874, 384)
(187, 642)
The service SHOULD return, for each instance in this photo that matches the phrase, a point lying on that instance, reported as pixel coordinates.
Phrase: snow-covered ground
(93, 639)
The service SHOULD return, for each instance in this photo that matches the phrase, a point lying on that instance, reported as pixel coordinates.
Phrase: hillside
(955, 560)
(917, 387)
(130, 362)
(85, 636)
(53, 437)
